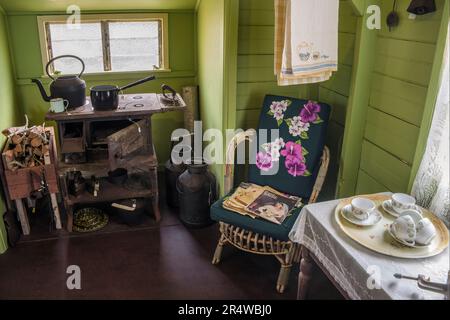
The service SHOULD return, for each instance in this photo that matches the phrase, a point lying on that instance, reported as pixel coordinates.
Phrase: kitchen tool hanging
(106, 97)
(70, 87)
(393, 19)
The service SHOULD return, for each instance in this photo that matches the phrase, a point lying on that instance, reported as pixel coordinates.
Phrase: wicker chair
(285, 251)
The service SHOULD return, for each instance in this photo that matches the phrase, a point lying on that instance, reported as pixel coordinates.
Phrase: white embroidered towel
(306, 40)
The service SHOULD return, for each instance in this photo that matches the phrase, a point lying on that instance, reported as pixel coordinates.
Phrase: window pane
(85, 43)
(134, 45)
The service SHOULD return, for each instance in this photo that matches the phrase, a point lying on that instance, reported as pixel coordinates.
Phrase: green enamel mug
(58, 105)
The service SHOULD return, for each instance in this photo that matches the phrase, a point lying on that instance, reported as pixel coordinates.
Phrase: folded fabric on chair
(306, 40)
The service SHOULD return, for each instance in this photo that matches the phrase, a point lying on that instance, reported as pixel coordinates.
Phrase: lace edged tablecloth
(360, 272)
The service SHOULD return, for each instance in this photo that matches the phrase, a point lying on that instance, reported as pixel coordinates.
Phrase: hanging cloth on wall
(306, 40)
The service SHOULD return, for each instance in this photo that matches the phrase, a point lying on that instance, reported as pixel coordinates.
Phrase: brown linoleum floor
(166, 261)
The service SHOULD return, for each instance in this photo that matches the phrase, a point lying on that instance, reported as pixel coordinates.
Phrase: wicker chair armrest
(230, 156)
(325, 161)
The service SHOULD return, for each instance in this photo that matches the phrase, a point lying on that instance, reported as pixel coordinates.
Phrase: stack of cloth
(262, 202)
(306, 40)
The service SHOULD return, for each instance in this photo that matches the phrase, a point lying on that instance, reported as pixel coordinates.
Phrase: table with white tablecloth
(358, 272)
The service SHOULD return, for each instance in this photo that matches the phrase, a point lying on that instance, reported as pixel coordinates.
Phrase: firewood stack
(26, 147)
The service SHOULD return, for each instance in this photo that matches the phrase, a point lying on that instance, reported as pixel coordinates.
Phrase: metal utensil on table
(425, 283)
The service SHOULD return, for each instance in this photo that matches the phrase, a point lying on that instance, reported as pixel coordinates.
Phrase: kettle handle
(64, 56)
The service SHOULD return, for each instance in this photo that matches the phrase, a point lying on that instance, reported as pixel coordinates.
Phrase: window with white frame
(106, 43)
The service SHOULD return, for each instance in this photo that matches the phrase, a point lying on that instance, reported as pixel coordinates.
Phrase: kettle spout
(41, 89)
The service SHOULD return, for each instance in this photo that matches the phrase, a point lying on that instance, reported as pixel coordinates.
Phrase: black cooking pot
(106, 97)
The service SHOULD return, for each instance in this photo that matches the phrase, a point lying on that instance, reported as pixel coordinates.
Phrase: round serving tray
(378, 239)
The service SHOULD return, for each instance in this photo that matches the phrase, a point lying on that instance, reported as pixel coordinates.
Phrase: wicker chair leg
(283, 277)
(219, 250)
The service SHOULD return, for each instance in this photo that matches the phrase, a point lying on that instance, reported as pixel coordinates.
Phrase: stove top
(145, 103)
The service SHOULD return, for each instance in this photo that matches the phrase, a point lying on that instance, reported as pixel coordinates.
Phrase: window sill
(117, 76)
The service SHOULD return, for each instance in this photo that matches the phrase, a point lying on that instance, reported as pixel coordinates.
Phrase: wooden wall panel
(251, 94)
(335, 92)
(337, 101)
(423, 29)
(399, 90)
(395, 136)
(398, 98)
(368, 185)
(256, 73)
(255, 76)
(384, 168)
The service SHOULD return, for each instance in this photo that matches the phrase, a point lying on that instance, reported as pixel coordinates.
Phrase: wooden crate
(22, 182)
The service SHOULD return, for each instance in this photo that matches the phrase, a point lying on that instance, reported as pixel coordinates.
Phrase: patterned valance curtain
(431, 187)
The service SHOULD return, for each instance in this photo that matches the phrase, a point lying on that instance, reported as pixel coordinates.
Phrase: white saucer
(374, 218)
(387, 206)
(417, 246)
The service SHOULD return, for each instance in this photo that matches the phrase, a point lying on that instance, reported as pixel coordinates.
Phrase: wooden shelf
(100, 168)
(110, 192)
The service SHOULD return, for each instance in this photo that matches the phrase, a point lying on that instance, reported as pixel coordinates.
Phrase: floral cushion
(290, 161)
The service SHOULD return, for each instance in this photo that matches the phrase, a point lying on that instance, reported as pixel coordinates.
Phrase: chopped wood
(26, 147)
(17, 139)
(36, 142)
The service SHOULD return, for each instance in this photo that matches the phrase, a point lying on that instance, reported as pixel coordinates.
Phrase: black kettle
(71, 88)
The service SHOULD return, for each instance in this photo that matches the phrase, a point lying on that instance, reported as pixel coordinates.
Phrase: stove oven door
(126, 145)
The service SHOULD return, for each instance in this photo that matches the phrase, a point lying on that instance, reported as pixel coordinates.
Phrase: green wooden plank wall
(400, 81)
(8, 103)
(255, 76)
(335, 92)
(255, 62)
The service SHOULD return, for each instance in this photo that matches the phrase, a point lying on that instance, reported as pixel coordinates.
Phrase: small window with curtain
(106, 43)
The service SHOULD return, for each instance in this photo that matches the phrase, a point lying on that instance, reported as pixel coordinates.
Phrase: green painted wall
(255, 66)
(400, 80)
(8, 103)
(336, 92)
(210, 37)
(61, 5)
(182, 40)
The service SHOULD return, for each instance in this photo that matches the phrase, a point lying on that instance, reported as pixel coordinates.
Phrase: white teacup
(401, 202)
(362, 208)
(416, 215)
(426, 232)
(404, 229)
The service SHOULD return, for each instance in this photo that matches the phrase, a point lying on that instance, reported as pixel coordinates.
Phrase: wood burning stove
(97, 142)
